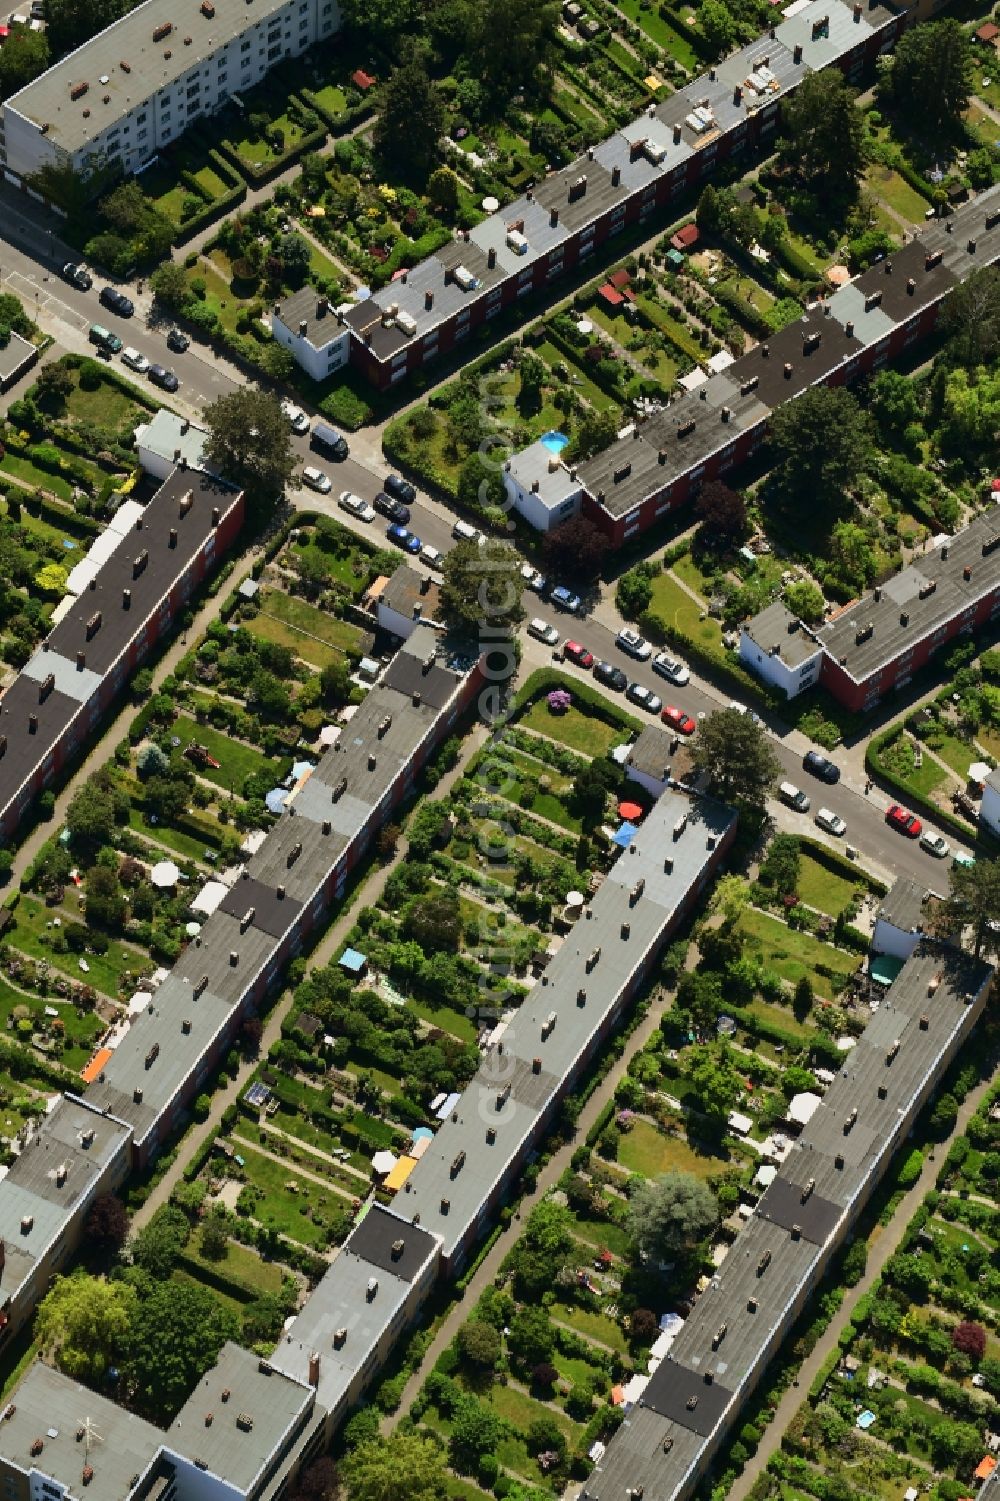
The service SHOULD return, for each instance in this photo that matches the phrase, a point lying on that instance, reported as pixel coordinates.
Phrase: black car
(821, 767)
(399, 489)
(178, 341)
(117, 302)
(394, 509)
(611, 676)
(78, 276)
(163, 377)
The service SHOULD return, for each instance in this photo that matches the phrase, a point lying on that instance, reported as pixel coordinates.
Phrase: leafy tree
(55, 381)
(480, 484)
(734, 752)
(577, 550)
(479, 1343)
(668, 1216)
(545, 1247)
(544, 1435)
(475, 1431)
(597, 431)
(852, 555)
(544, 1375)
(822, 443)
(443, 190)
(634, 591)
(803, 999)
(805, 599)
(969, 1339)
(379, 20)
(294, 253)
(531, 1340)
(410, 121)
(249, 444)
(931, 76)
(176, 1334)
(170, 285)
(23, 56)
(96, 809)
(722, 514)
(824, 135)
(717, 1084)
(215, 1236)
(320, 1481)
(980, 167)
(591, 787)
(69, 23)
(718, 26)
(159, 1243)
(944, 1115)
(435, 921)
(973, 902)
(82, 1323)
(513, 46)
(401, 1468)
(481, 584)
(105, 901)
(361, 1428)
(894, 401)
(643, 1326)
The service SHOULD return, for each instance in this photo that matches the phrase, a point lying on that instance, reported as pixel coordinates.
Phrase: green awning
(884, 969)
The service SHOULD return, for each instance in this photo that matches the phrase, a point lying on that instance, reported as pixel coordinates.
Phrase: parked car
(831, 822)
(134, 360)
(611, 676)
(670, 668)
(402, 538)
(565, 599)
(104, 339)
(77, 276)
(542, 631)
(400, 488)
(934, 844)
(638, 693)
(395, 510)
(117, 302)
(431, 555)
(295, 417)
(579, 654)
(904, 822)
(821, 766)
(533, 580)
(462, 531)
(678, 720)
(327, 440)
(355, 506)
(634, 645)
(793, 796)
(178, 341)
(161, 376)
(316, 479)
(734, 703)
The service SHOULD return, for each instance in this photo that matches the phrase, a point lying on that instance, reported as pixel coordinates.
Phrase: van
(104, 339)
(794, 797)
(327, 440)
(542, 631)
(462, 531)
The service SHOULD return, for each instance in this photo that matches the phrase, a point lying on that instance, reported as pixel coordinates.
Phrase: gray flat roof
(165, 433)
(903, 904)
(931, 592)
(650, 753)
(240, 1387)
(15, 353)
(777, 626)
(406, 588)
(51, 1408)
(150, 65)
(537, 464)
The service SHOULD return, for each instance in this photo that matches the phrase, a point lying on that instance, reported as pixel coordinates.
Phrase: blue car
(404, 539)
(565, 599)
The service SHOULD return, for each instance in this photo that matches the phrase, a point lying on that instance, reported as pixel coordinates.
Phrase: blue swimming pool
(554, 442)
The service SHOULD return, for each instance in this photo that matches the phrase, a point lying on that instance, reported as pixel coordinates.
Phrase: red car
(678, 720)
(579, 654)
(906, 823)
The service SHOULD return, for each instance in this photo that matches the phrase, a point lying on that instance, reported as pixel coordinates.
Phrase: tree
(319, 1482)
(718, 26)
(23, 56)
(734, 753)
(591, 787)
(482, 585)
(513, 45)
(668, 1216)
(531, 1340)
(597, 431)
(544, 1435)
(480, 484)
(971, 319)
(295, 255)
(83, 1322)
(805, 599)
(643, 1326)
(435, 921)
(69, 23)
(822, 443)
(401, 1468)
(803, 999)
(443, 190)
(95, 810)
(479, 1343)
(170, 285)
(824, 134)
(215, 1236)
(973, 901)
(722, 513)
(969, 1339)
(379, 20)
(544, 1375)
(475, 1432)
(152, 761)
(577, 550)
(105, 901)
(634, 590)
(175, 1336)
(159, 1243)
(717, 1084)
(931, 76)
(979, 167)
(249, 444)
(410, 121)
(545, 1247)
(55, 380)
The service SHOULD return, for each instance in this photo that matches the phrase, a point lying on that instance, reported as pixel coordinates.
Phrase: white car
(670, 668)
(634, 645)
(534, 580)
(316, 479)
(934, 844)
(431, 555)
(831, 822)
(355, 506)
(742, 709)
(638, 693)
(543, 631)
(134, 360)
(297, 419)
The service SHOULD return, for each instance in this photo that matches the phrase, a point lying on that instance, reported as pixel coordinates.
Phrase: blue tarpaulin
(625, 835)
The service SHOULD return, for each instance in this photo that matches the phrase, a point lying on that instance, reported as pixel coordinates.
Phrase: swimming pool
(554, 442)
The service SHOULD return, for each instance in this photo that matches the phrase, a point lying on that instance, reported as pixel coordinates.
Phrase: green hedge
(231, 1287)
(346, 120)
(346, 408)
(257, 173)
(215, 208)
(545, 679)
(603, 1119)
(728, 674)
(743, 311)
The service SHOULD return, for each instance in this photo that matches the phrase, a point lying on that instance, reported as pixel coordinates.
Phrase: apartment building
(307, 326)
(135, 87)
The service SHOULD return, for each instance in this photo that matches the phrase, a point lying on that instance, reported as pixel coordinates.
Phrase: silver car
(670, 668)
(934, 844)
(638, 693)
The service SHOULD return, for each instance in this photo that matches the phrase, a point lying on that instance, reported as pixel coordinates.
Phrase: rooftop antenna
(90, 1435)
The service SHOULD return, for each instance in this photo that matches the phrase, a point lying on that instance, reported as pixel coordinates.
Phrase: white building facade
(308, 327)
(780, 650)
(541, 488)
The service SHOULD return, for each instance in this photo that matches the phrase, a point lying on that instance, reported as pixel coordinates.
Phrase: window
(245, 46)
(273, 52)
(140, 119)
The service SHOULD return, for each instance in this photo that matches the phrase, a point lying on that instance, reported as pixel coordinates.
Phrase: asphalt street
(67, 313)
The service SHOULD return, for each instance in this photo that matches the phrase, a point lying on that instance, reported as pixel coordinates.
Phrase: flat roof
(538, 465)
(407, 588)
(15, 353)
(152, 61)
(172, 437)
(650, 753)
(776, 626)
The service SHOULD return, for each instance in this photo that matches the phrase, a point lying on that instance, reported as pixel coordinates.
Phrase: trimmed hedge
(728, 674)
(256, 174)
(743, 311)
(346, 120)
(215, 208)
(544, 679)
(230, 1287)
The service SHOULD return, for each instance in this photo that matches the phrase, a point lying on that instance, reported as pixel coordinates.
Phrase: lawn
(575, 728)
(899, 760)
(660, 31)
(331, 98)
(602, 1235)
(309, 629)
(822, 888)
(792, 954)
(445, 1017)
(171, 838)
(676, 608)
(351, 570)
(242, 1264)
(645, 1149)
(287, 1212)
(23, 469)
(958, 754)
(189, 1279)
(887, 184)
(238, 761)
(687, 570)
(580, 381)
(108, 405)
(591, 1325)
(521, 1410)
(32, 936)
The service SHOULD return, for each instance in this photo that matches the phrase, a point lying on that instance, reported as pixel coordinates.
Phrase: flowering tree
(559, 700)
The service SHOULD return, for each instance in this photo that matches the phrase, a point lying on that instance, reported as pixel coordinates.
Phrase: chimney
(314, 1369)
(428, 300)
(553, 218)
(491, 257)
(849, 329)
(177, 455)
(737, 95)
(857, 14)
(797, 53)
(616, 176)
(677, 135)
(81, 660)
(126, 599)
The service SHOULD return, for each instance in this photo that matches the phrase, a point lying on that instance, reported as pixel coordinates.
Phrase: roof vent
(851, 1119)
(883, 1092)
(397, 1249)
(892, 1051)
(719, 1336)
(751, 1305)
(536, 1065)
(152, 1055)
